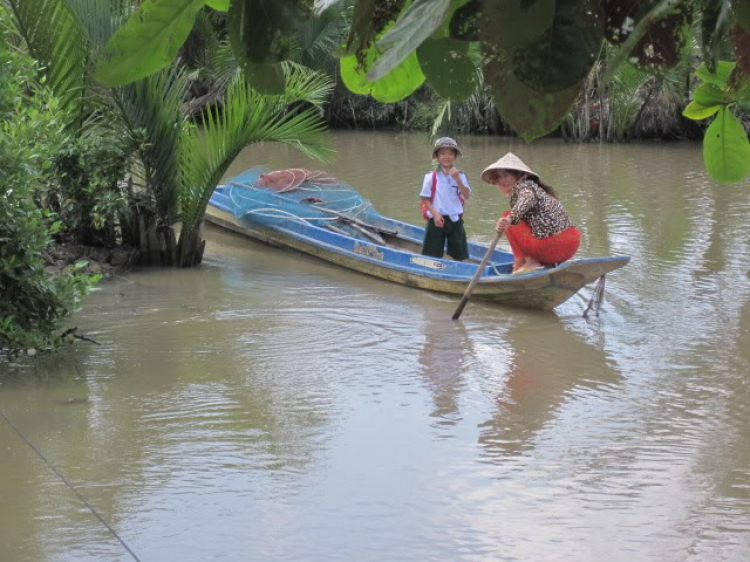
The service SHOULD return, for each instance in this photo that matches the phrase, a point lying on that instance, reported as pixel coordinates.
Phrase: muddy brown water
(267, 406)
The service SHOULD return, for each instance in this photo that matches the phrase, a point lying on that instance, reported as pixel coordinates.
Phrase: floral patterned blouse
(542, 212)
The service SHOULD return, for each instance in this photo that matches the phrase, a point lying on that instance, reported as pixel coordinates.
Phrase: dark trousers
(452, 232)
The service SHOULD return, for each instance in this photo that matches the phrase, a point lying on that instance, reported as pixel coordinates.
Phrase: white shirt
(446, 194)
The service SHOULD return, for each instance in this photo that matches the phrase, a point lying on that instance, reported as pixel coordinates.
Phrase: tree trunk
(191, 246)
(157, 243)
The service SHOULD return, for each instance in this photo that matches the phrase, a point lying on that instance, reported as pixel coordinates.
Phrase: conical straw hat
(508, 162)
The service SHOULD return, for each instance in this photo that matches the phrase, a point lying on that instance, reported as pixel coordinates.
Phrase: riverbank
(106, 262)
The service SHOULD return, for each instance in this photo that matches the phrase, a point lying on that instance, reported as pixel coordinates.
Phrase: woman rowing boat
(537, 227)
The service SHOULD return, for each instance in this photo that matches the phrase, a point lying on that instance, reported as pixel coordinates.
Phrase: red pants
(547, 251)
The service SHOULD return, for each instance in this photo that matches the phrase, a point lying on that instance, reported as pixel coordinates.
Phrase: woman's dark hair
(546, 187)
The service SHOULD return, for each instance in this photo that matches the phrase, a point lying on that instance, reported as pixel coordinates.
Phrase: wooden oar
(477, 275)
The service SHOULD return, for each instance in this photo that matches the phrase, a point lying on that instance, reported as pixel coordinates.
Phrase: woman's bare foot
(528, 265)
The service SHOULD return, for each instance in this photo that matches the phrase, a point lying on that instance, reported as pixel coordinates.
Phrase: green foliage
(261, 31)
(537, 55)
(181, 164)
(697, 112)
(89, 197)
(349, 110)
(35, 303)
(450, 58)
(741, 13)
(517, 39)
(262, 35)
(318, 39)
(719, 76)
(634, 103)
(708, 94)
(367, 23)
(417, 23)
(153, 105)
(267, 78)
(61, 55)
(247, 117)
(715, 25)
(151, 109)
(221, 5)
(448, 67)
(656, 38)
(563, 54)
(313, 46)
(625, 96)
(726, 148)
(402, 81)
(148, 42)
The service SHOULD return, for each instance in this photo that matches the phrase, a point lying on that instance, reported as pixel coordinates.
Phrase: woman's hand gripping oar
(477, 275)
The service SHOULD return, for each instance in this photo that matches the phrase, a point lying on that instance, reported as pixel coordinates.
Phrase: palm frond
(223, 66)
(100, 19)
(625, 96)
(152, 106)
(205, 28)
(305, 85)
(646, 105)
(319, 38)
(247, 117)
(314, 44)
(441, 118)
(55, 38)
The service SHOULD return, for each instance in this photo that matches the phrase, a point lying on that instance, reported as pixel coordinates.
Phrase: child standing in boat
(444, 192)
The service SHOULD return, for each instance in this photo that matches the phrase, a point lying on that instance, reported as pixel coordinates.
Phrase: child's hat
(445, 142)
(508, 162)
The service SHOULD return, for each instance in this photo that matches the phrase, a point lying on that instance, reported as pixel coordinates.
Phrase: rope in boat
(266, 204)
(69, 485)
(275, 213)
(357, 206)
(595, 303)
(350, 211)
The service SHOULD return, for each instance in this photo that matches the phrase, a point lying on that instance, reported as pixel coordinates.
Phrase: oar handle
(477, 275)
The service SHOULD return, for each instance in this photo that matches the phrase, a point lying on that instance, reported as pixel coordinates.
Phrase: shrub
(34, 303)
(90, 197)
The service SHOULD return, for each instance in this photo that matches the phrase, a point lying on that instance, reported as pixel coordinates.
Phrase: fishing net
(297, 195)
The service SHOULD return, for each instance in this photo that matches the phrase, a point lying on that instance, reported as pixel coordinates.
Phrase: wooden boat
(370, 243)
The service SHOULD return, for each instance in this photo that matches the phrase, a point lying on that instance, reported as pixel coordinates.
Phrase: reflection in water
(269, 406)
(443, 362)
(539, 378)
